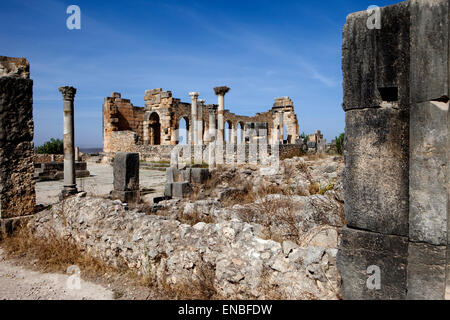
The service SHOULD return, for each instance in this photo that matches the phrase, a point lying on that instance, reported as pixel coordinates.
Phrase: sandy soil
(19, 283)
(100, 183)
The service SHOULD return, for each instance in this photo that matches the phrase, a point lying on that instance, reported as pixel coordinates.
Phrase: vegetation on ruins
(340, 143)
(54, 146)
(304, 137)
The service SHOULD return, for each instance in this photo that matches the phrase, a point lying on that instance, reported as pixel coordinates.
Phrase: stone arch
(154, 127)
(240, 126)
(228, 131)
(183, 129)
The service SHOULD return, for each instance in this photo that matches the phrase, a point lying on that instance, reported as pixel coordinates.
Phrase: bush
(54, 146)
(340, 143)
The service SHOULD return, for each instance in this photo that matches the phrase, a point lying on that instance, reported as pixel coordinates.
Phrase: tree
(340, 143)
(54, 146)
(304, 137)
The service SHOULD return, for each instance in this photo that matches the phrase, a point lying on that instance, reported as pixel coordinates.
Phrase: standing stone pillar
(194, 128)
(396, 188)
(77, 154)
(70, 187)
(200, 121)
(126, 177)
(281, 123)
(17, 186)
(233, 139)
(220, 92)
(212, 111)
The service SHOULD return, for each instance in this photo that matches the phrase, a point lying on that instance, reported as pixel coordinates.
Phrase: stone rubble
(245, 262)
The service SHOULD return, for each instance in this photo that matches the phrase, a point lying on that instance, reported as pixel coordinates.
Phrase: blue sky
(260, 49)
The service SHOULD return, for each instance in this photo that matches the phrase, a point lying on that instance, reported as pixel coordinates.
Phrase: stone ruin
(396, 99)
(17, 194)
(153, 131)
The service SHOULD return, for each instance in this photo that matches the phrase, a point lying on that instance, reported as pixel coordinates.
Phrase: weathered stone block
(429, 49)
(17, 193)
(376, 62)
(170, 174)
(361, 249)
(376, 170)
(126, 196)
(181, 189)
(185, 175)
(428, 180)
(199, 175)
(126, 172)
(426, 271)
(168, 189)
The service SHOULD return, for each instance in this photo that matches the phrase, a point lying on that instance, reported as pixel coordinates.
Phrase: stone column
(70, 186)
(77, 154)
(233, 139)
(200, 121)
(193, 128)
(281, 123)
(212, 110)
(220, 92)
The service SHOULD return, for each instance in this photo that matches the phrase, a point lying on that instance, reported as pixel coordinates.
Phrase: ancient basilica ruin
(156, 127)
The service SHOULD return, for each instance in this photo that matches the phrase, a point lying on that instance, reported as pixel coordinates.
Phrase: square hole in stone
(389, 94)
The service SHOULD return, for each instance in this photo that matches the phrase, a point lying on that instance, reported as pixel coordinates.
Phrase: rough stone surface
(17, 194)
(361, 249)
(429, 50)
(126, 172)
(376, 59)
(243, 265)
(426, 271)
(428, 181)
(376, 170)
(181, 189)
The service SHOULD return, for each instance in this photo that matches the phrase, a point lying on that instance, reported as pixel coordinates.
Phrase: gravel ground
(100, 183)
(19, 283)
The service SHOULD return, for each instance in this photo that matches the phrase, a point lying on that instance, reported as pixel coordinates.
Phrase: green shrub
(54, 146)
(340, 143)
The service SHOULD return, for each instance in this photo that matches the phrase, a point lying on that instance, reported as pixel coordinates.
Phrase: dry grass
(51, 254)
(200, 287)
(271, 213)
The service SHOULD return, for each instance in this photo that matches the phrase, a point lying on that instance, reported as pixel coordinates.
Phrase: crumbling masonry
(155, 128)
(17, 193)
(396, 99)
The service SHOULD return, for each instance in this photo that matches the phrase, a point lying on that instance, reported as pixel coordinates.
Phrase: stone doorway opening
(155, 129)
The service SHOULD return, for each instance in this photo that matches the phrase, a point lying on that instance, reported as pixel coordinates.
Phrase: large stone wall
(396, 153)
(120, 115)
(17, 193)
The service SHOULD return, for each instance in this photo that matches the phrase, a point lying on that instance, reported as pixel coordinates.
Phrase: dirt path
(19, 283)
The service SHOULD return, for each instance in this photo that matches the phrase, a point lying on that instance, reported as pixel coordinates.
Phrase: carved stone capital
(68, 93)
(212, 108)
(194, 95)
(221, 91)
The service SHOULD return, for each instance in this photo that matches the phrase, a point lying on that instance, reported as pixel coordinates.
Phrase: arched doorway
(183, 131)
(240, 132)
(228, 131)
(154, 129)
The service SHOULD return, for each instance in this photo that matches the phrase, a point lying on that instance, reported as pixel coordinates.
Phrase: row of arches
(183, 134)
